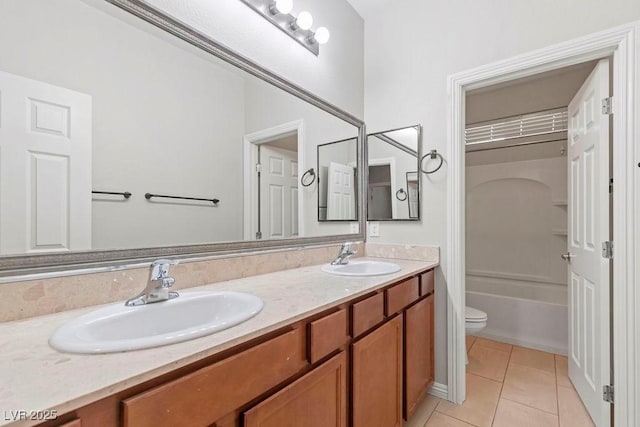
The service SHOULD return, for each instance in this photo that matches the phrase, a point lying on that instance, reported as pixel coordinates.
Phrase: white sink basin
(362, 268)
(120, 328)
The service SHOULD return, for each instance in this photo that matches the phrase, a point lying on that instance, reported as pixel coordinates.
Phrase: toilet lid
(474, 315)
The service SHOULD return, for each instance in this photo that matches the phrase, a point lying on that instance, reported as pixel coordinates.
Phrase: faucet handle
(346, 248)
(160, 268)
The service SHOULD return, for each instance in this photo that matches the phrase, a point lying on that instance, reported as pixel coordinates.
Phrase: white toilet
(475, 320)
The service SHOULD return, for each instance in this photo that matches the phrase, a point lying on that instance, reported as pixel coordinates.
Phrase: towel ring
(433, 154)
(399, 193)
(310, 173)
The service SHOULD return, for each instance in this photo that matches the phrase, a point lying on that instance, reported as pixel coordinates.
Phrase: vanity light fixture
(281, 6)
(304, 20)
(278, 12)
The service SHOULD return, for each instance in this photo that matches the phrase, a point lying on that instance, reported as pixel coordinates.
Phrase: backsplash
(24, 299)
(397, 251)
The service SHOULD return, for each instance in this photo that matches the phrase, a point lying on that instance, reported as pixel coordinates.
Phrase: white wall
(412, 46)
(335, 75)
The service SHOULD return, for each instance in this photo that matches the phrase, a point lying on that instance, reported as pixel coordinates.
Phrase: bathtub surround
(30, 298)
(519, 209)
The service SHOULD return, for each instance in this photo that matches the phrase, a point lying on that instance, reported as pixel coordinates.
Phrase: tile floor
(508, 386)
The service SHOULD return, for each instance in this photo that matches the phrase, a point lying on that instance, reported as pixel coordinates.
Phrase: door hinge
(610, 185)
(607, 106)
(258, 167)
(607, 249)
(607, 393)
(258, 235)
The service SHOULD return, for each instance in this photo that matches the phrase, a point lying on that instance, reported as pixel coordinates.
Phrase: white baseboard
(562, 350)
(439, 390)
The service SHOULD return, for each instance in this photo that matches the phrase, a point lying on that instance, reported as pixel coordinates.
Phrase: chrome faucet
(344, 254)
(157, 286)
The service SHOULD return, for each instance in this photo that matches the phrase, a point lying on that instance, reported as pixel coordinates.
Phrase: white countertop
(33, 376)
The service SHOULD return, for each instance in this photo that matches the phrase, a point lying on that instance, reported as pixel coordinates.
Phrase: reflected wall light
(278, 12)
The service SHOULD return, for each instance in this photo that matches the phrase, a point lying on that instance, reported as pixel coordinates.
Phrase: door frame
(250, 144)
(622, 44)
(383, 161)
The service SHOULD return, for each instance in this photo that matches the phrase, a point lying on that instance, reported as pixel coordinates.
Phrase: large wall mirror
(393, 187)
(120, 140)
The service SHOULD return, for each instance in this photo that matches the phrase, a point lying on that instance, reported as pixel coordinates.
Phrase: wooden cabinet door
(418, 356)
(318, 399)
(377, 377)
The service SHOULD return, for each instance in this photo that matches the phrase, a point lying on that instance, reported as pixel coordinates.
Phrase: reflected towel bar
(126, 194)
(148, 196)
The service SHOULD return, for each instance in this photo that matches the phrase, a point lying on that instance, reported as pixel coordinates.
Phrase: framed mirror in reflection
(393, 187)
(337, 177)
(116, 135)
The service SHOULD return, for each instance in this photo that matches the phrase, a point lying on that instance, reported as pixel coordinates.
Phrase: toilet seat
(473, 315)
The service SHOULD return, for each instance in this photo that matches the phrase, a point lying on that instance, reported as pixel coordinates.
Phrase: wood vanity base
(366, 362)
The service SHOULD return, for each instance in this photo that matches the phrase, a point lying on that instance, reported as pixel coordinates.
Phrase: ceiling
(366, 7)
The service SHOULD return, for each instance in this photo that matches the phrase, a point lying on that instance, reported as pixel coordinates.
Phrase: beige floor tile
(442, 420)
(531, 387)
(533, 359)
(470, 339)
(562, 371)
(572, 411)
(480, 406)
(496, 345)
(423, 412)
(511, 414)
(487, 362)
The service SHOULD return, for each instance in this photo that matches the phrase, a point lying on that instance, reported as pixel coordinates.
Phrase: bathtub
(541, 325)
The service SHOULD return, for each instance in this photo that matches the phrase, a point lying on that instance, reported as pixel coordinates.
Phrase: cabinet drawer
(327, 334)
(367, 313)
(318, 399)
(209, 393)
(427, 282)
(401, 295)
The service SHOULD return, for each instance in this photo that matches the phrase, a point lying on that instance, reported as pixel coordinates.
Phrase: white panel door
(588, 204)
(278, 193)
(341, 197)
(45, 167)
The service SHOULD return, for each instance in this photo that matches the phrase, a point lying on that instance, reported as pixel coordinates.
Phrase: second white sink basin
(362, 268)
(120, 328)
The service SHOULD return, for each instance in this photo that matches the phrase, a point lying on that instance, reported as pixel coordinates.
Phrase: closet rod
(515, 145)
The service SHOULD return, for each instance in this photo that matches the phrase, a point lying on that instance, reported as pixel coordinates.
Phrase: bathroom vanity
(358, 349)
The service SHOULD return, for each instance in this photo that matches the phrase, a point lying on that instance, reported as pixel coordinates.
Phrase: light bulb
(304, 20)
(284, 6)
(322, 35)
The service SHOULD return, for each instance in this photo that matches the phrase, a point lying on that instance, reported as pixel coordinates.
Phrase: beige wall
(412, 46)
(546, 91)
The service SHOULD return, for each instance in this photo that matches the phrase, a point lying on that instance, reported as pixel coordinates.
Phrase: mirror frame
(419, 217)
(358, 198)
(60, 264)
